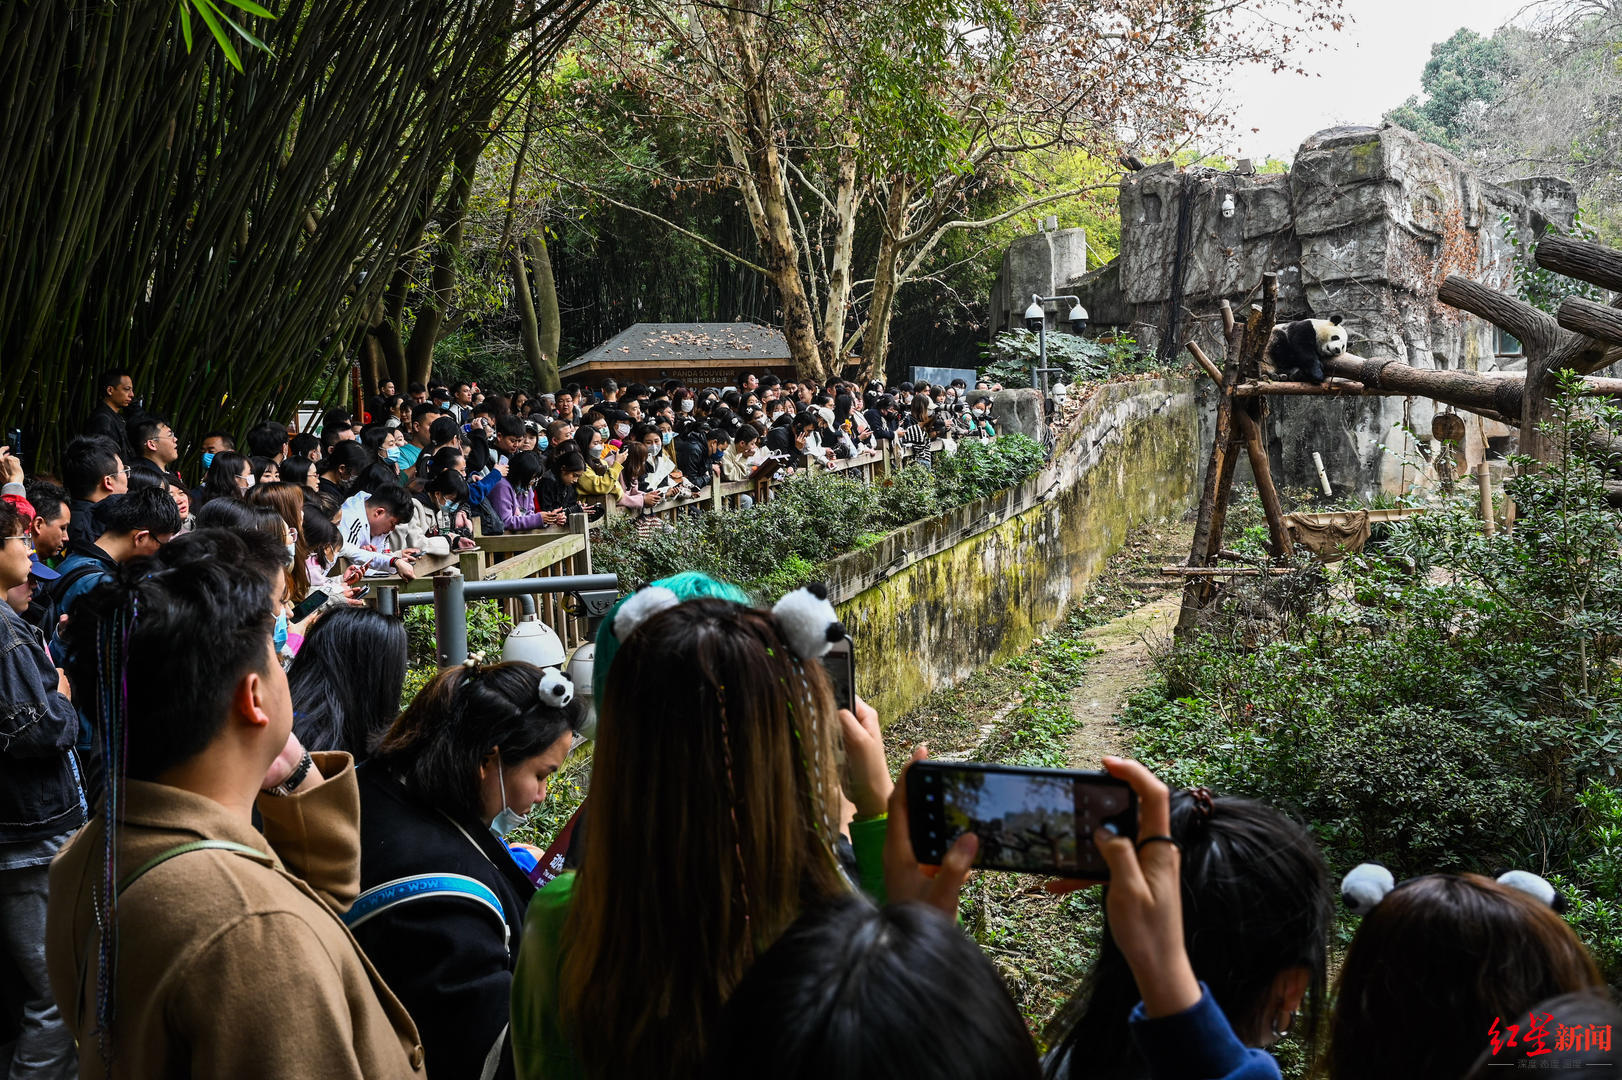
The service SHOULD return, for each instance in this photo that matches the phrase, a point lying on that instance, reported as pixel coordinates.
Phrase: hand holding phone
(1030, 821)
(868, 771)
(906, 880)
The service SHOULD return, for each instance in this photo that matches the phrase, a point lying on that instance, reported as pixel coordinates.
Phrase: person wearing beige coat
(232, 959)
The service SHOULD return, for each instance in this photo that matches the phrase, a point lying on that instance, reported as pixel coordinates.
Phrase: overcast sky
(1369, 67)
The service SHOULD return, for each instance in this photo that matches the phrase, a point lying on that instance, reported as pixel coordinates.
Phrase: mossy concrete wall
(930, 604)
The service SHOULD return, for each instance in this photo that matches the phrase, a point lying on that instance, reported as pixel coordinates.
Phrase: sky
(1372, 65)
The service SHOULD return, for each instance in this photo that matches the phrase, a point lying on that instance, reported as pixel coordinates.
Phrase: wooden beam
(1329, 388)
(1598, 321)
(1205, 362)
(1593, 263)
(1535, 329)
(1464, 389)
(1278, 532)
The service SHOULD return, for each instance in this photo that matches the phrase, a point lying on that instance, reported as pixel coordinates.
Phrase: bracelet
(1161, 839)
(294, 778)
(863, 818)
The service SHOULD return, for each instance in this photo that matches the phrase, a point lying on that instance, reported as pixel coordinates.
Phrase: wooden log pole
(1329, 388)
(1598, 321)
(1484, 479)
(1205, 362)
(1590, 262)
(1462, 389)
(1278, 532)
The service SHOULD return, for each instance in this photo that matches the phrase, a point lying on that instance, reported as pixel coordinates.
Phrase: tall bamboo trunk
(882, 306)
(430, 314)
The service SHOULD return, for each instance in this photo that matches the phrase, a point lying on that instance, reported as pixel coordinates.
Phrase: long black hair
(854, 992)
(438, 743)
(346, 680)
(1256, 902)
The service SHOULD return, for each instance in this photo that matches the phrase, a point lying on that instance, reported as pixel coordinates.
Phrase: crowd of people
(226, 850)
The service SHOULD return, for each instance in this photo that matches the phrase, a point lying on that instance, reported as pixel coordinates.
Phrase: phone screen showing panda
(1032, 821)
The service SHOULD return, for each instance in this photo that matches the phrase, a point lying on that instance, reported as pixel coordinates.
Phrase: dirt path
(1122, 666)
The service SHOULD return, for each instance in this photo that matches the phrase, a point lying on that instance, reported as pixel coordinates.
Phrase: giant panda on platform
(1297, 350)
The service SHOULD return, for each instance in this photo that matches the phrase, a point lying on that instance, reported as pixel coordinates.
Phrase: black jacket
(105, 422)
(444, 958)
(82, 524)
(39, 789)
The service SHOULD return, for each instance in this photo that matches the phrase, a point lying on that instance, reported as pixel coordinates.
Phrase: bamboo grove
(225, 235)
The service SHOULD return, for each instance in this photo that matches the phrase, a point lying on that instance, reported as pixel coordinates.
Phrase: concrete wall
(932, 603)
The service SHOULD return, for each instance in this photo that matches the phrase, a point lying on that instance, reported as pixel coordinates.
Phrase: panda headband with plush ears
(554, 692)
(808, 621)
(1366, 884)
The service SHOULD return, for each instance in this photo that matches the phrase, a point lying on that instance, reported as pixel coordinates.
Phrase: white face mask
(506, 819)
(687, 404)
(622, 430)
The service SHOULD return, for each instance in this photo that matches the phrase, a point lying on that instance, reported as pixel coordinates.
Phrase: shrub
(1449, 701)
(1008, 360)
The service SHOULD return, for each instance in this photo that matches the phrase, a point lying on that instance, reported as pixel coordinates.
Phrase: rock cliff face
(1367, 223)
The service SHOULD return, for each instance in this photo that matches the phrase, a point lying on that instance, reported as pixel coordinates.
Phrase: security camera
(1078, 319)
(1035, 317)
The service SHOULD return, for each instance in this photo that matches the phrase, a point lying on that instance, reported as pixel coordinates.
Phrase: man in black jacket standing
(108, 419)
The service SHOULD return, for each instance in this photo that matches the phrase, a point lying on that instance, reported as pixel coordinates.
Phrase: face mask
(603, 431)
(279, 635)
(292, 551)
(506, 820)
(622, 430)
(542, 442)
(686, 404)
(208, 459)
(979, 413)
(667, 437)
(715, 458)
(393, 454)
(595, 451)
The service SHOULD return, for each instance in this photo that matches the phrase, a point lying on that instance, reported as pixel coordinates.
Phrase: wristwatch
(294, 778)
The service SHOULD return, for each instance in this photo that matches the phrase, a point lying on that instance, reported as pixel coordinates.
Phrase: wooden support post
(1484, 478)
(1278, 532)
(1213, 510)
(715, 490)
(1205, 362)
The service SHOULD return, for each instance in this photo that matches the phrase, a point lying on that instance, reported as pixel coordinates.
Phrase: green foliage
(1593, 883)
(1542, 288)
(1441, 703)
(1009, 359)
(213, 16)
(491, 363)
(980, 468)
(1464, 73)
(487, 629)
(780, 544)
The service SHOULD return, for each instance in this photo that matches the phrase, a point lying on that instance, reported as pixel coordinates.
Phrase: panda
(1297, 350)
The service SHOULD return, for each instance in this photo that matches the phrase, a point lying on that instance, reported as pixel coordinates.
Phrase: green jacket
(540, 1050)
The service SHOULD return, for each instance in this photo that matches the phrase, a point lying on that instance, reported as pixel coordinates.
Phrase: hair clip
(1204, 805)
(641, 606)
(555, 690)
(809, 623)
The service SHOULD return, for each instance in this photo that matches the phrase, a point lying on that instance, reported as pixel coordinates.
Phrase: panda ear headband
(808, 621)
(554, 692)
(1366, 884)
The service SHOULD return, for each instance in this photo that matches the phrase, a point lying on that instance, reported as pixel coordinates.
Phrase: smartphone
(1030, 821)
(361, 591)
(840, 662)
(316, 599)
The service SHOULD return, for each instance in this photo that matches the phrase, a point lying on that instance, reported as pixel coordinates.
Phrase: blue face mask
(506, 819)
(542, 442)
(279, 635)
(393, 454)
(208, 459)
(667, 437)
(715, 458)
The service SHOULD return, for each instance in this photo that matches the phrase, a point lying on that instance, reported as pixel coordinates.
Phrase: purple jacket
(514, 511)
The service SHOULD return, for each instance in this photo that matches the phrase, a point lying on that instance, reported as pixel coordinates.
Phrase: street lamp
(1036, 320)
